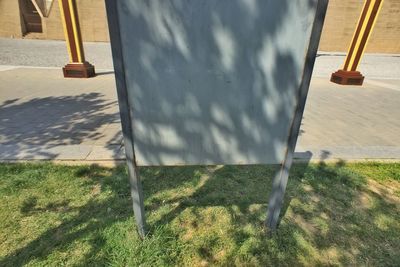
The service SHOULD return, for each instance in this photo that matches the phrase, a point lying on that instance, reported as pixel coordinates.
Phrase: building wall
(10, 22)
(94, 27)
(341, 19)
(92, 19)
(386, 35)
(52, 25)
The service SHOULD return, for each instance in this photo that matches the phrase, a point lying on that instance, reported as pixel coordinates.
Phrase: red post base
(344, 77)
(79, 70)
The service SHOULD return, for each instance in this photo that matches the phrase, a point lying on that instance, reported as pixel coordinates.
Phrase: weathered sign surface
(213, 81)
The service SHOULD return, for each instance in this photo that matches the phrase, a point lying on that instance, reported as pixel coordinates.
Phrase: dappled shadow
(331, 217)
(242, 88)
(29, 206)
(36, 128)
(86, 221)
(324, 217)
(198, 86)
(205, 87)
(253, 187)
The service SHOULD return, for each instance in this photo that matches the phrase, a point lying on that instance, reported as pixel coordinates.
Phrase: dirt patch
(387, 192)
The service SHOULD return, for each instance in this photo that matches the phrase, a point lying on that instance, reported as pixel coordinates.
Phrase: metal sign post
(349, 74)
(196, 85)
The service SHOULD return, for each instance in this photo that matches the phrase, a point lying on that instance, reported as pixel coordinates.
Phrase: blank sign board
(213, 81)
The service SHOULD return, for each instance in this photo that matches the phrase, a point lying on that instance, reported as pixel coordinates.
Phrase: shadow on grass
(330, 215)
(215, 215)
(79, 222)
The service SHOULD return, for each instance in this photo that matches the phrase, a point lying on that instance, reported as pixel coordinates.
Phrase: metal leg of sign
(137, 198)
(278, 193)
(281, 177)
(126, 116)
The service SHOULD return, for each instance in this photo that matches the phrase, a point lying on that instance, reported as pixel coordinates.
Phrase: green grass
(343, 214)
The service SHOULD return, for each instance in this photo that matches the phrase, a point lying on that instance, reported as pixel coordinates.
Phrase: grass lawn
(342, 214)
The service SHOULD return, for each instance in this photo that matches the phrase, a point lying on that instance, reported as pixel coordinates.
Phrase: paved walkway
(44, 53)
(44, 116)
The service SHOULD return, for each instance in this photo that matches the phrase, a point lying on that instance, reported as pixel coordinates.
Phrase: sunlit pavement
(49, 53)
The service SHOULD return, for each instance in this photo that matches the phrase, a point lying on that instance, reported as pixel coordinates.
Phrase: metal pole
(281, 177)
(349, 75)
(77, 67)
(126, 117)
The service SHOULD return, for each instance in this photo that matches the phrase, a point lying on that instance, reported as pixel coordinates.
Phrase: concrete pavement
(45, 53)
(46, 117)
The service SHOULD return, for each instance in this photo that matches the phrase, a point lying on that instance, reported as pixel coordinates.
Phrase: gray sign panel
(213, 81)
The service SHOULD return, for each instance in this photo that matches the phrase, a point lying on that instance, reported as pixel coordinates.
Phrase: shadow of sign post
(213, 82)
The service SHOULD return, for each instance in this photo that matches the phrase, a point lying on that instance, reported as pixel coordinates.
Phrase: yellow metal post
(77, 66)
(349, 75)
